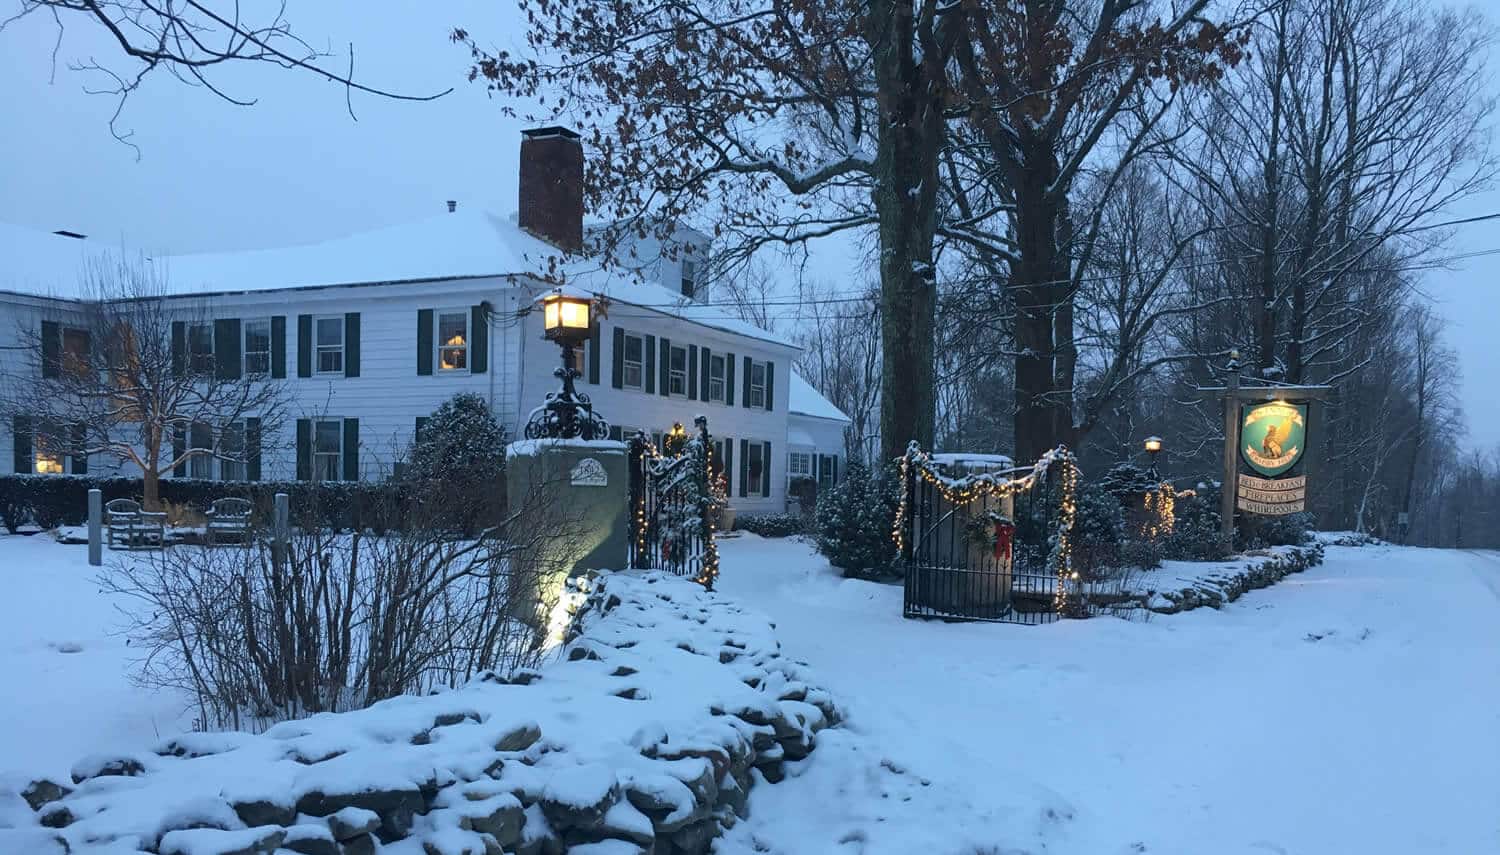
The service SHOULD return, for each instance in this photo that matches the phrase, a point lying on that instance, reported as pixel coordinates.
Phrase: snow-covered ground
(65, 688)
(1354, 707)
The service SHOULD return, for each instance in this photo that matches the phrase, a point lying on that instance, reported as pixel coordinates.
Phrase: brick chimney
(551, 203)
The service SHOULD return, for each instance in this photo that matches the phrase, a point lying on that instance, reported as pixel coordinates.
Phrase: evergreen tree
(460, 455)
(855, 524)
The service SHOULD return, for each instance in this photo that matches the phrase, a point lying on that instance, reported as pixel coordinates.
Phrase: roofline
(844, 420)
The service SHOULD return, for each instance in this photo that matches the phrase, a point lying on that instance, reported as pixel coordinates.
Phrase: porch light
(568, 319)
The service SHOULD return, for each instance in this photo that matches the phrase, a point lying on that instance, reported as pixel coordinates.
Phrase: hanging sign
(1273, 439)
(1273, 436)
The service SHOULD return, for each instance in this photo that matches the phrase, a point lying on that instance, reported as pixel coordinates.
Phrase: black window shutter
(615, 433)
(651, 364)
(52, 349)
(765, 472)
(304, 347)
(227, 348)
(351, 344)
(594, 343)
(833, 460)
(252, 449)
(80, 450)
(692, 378)
(728, 466)
(20, 434)
(304, 449)
(770, 387)
(617, 360)
(179, 348)
(424, 342)
(746, 397)
(278, 347)
(703, 374)
(729, 379)
(745, 467)
(666, 366)
(179, 448)
(479, 335)
(351, 449)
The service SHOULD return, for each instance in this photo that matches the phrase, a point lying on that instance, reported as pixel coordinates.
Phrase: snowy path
(1353, 708)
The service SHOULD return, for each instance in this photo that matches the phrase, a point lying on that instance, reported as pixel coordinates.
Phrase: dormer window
(689, 277)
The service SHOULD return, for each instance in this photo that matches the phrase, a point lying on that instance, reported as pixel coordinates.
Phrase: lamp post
(568, 319)
(1153, 448)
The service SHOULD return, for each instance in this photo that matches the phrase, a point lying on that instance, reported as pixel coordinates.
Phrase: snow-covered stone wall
(1179, 586)
(667, 705)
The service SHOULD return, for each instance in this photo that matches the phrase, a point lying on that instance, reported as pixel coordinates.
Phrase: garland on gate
(962, 491)
(685, 459)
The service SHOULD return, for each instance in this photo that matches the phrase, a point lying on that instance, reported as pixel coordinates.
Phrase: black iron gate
(672, 509)
(981, 547)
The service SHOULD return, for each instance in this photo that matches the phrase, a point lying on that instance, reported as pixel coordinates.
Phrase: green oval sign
(1273, 436)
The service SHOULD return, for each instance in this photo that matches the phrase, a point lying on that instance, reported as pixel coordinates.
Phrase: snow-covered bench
(229, 521)
(132, 528)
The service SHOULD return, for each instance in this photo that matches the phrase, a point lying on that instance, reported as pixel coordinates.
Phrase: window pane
(632, 375)
(633, 348)
(330, 332)
(326, 467)
(331, 360)
(679, 359)
(47, 453)
(328, 437)
(453, 329)
(258, 335)
(201, 346)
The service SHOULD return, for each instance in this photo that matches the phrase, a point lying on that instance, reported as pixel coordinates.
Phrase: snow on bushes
(669, 703)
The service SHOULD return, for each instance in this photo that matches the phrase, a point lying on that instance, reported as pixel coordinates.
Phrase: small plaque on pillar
(589, 473)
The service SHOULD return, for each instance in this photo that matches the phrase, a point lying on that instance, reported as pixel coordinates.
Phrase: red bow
(1004, 533)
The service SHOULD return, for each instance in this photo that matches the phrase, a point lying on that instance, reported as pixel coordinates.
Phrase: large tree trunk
(906, 171)
(1039, 279)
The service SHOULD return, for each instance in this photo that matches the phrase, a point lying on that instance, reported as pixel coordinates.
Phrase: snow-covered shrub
(1289, 530)
(1195, 532)
(332, 621)
(1126, 480)
(856, 520)
(461, 452)
(771, 525)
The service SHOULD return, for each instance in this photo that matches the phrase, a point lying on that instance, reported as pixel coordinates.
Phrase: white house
(371, 332)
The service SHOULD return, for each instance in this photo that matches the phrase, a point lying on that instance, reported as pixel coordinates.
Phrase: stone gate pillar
(582, 488)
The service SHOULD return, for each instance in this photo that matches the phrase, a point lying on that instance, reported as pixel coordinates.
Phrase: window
(635, 367)
(799, 464)
(716, 460)
(48, 452)
(329, 341)
(453, 340)
(716, 378)
(755, 467)
(689, 277)
(75, 351)
(328, 449)
(257, 347)
(232, 446)
(200, 341)
(677, 371)
(757, 385)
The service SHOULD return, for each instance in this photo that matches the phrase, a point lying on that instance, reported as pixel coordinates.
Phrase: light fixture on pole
(568, 318)
(1153, 448)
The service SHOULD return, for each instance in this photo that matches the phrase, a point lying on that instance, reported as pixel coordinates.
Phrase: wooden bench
(229, 521)
(130, 527)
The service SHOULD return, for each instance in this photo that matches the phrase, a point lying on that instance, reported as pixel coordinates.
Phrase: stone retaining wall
(669, 705)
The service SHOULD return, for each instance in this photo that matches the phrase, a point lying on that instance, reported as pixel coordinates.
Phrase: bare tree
(135, 377)
(190, 40)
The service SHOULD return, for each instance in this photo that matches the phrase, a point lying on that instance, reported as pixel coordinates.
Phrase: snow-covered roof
(807, 401)
(40, 263)
(465, 244)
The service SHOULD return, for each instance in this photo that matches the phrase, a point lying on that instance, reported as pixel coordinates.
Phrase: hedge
(52, 500)
(771, 525)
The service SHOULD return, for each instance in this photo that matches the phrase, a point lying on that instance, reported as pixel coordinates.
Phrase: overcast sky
(296, 168)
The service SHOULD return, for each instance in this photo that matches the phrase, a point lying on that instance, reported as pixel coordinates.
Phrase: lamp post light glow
(1153, 448)
(568, 319)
